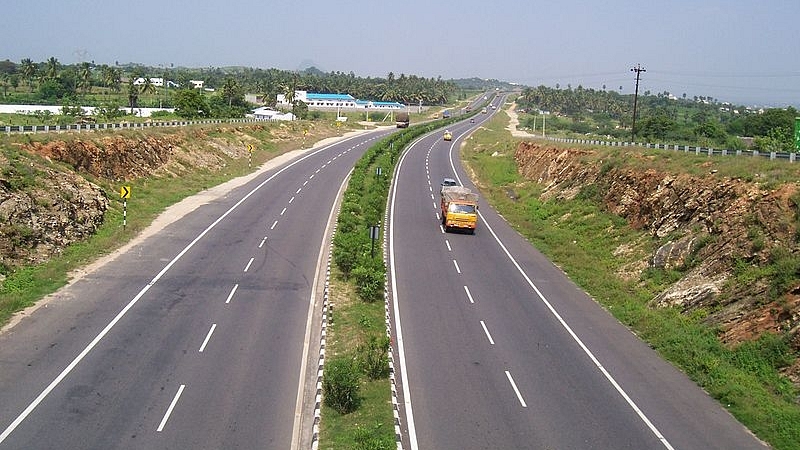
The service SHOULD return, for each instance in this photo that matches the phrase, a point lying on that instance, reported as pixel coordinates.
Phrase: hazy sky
(733, 50)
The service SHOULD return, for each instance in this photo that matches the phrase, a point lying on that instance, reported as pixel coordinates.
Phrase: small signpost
(249, 156)
(125, 194)
(374, 233)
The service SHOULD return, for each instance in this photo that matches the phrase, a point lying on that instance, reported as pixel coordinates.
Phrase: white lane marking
(58, 379)
(291, 200)
(569, 330)
(469, 296)
(441, 227)
(412, 429)
(433, 198)
(233, 291)
(300, 189)
(458, 269)
(274, 224)
(316, 172)
(304, 183)
(438, 217)
(514, 386)
(208, 337)
(248, 264)
(312, 176)
(262, 242)
(449, 249)
(435, 206)
(298, 408)
(430, 188)
(488, 335)
(284, 211)
(171, 407)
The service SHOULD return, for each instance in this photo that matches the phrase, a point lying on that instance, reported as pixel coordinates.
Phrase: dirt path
(514, 122)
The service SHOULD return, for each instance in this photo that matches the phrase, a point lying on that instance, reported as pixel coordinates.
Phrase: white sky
(733, 50)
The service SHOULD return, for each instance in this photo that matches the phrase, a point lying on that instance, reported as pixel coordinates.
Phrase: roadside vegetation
(661, 118)
(22, 286)
(745, 379)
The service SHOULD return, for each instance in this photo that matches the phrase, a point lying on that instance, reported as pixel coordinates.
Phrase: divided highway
(499, 350)
(194, 338)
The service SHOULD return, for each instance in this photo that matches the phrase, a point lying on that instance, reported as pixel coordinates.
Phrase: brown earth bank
(51, 187)
(706, 227)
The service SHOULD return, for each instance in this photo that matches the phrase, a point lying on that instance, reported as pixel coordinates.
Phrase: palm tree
(51, 69)
(147, 86)
(230, 89)
(85, 77)
(29, 70)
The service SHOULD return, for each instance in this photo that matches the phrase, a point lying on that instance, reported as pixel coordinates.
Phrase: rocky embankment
(705, 227)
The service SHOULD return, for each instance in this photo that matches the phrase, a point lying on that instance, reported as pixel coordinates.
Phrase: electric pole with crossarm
(638, 69)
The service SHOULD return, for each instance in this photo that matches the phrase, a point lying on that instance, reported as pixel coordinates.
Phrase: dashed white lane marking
(488, 335)
(291, 200)
(310, 177)
(298, 190)
(171, 407)
(284, 211)
(233, 291)
(469, 296)
(247, 267)
(455, 263)
(433, 198)
(435, 206)
(304, 183)
(262, 242)
(514, 385)
(208, 337)
(274, 224)
(449, 249)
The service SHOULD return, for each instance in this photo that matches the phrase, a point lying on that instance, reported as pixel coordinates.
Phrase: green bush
(374, 357)
(347, 251)
(369, 277)
(340, 384)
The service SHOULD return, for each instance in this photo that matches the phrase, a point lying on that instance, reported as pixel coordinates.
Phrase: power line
(638, 69)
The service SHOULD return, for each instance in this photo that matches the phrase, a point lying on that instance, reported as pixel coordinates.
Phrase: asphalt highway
(194, 338)
(498, 349)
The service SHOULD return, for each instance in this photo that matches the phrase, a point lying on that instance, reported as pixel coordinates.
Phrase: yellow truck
(459, 209)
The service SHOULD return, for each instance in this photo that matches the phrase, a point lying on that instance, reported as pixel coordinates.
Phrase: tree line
(50, 82)
(662, 117)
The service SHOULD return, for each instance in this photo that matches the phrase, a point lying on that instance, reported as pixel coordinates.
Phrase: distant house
(157, 82)
(197, 84)
(265, 113)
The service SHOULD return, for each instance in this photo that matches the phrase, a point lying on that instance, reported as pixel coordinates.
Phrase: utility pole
(638, 69)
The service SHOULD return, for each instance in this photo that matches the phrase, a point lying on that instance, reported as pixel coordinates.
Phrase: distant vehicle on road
(448, 136)
(402, 120)
(446, 114)
(459, 208)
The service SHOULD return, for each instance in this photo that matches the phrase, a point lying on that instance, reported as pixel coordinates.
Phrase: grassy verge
(151, 195)
(745, 380)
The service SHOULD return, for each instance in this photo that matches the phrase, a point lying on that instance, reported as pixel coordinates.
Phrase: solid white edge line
(208, 337)
(569, 330)
(298, 409)
(57, 380)
(412, 431)
(171, 407)
(488, 335)
(233, 291)
(516, 391)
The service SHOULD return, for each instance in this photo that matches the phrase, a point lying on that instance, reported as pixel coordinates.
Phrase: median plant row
(357, 411)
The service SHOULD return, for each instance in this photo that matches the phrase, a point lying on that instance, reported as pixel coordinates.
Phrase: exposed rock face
(39, 223)
(709, 223)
